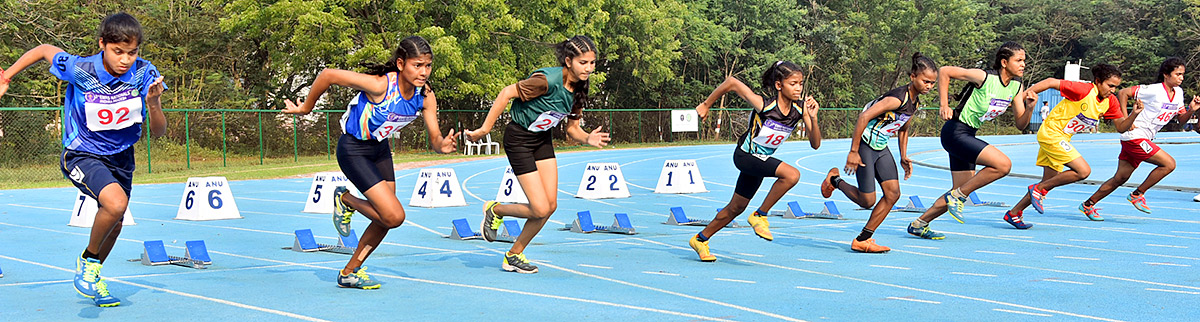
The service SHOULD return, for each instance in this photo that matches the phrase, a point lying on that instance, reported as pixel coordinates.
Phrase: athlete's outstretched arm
(446, 144)
(975, 76)
(39, 53)
(1187, 115)
(810, 122)
(730, 84)
(374, 86)
(158, 122)
(905, 162)
(1023, 114)
(1029, 95)
(507, 94)
(1126, 123)
(595, 138)
(853, 160)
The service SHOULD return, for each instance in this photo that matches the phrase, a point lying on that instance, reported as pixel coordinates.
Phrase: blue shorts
(92, 172)
(365, 163)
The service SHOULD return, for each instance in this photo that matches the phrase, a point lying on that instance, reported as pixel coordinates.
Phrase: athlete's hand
(598, 139)
(853, 161)
(1138, 107)
(156, 89)
(449, 143)
(946, 113)
(4, 80)
(906, 164)
(293, 107)
(702, 110)
(811, 106)
(475, 135)
(1192, 107)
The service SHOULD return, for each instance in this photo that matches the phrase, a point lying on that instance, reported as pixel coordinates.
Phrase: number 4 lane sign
(437, 188)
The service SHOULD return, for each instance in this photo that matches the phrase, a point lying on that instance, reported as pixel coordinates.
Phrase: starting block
(306, 243)
(914, 205)
(677, 217)
(460, 229)
(583, 224)
(1, 273)
(154, 253)
(794, 212)
(973, 200)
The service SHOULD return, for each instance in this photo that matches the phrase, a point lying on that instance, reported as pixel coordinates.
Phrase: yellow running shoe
(701, 248)
(762, 227)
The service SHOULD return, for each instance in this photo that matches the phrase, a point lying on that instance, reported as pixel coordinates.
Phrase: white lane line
(1166, 264)
(627, 243)
(170, 291)
(892, 267)
(595, 266)
(1172, 291)
(992, 252)
(1088, 241)
(1186, 232)
(911, 300)
(973, 274)
(922, 247)
(271, 200)
(812, 260)
(682, 229)
(1021, 312)
(819, 289)
(660, 273)
(1013, 236)
(1079, 258)
(751, 255)
(735, 281)
(578, 239)
(1065, 281)
(1168, 246)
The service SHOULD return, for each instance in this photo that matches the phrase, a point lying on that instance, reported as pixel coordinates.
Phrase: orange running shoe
(827, 187)
(868, 246)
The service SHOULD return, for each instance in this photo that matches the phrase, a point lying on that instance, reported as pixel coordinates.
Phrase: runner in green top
(988, 95)
(541, 101)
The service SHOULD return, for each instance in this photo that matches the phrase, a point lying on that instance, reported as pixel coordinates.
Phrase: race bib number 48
(112, 111)
(547, 120)
(393, 123)
(995, 108)
(772, 134)
(1079, 124)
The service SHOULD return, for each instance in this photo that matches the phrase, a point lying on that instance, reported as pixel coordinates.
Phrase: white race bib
(1146, 146)
(1079, 124)
(1066, 146)
(891, 128)
(995, 108)
(772, 134)
(112, 112)
(393, 123)
(1168, 111)
(547, 120)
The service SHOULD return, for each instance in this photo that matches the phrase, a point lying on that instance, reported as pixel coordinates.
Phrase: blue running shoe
(955, 205)
(1035, 196)
(1091, 212)
(103, 299)
(925, 232)
(1016, 221)
(358, 279)
(89, 284)
(342, 213)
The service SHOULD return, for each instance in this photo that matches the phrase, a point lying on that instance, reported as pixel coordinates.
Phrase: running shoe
(955, 205)
(89, 284)
(491, 221)
(925, 232)
(868, 246)
(357, 279)
(1035, 196)
(762, 227)
(518, 263)
(342, 213)
(1138, 202)
(827, 187)
(701, 248)
(1091, 212)
(1016, 220)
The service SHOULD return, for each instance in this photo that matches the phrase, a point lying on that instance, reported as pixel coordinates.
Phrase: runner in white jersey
(1161, 102)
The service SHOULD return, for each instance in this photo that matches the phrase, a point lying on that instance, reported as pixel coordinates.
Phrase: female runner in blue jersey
(390, 96)
(109, 95)
(771, 123)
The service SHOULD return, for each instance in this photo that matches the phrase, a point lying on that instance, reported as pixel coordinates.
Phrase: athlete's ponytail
(1168, 66)
(411, 47)
(1006, 51)
(920, 64)
(569, 49)
(778, 71)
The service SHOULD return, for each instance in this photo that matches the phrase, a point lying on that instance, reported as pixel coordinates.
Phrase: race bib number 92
(112, 111)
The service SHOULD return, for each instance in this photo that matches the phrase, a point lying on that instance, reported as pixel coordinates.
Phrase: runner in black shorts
(542, 101)
(871, 160)
(771, 123)
(390, 96)
(987, 96)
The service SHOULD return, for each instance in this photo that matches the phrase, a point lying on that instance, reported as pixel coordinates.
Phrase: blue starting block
(195, 255)
(973, 200)
(583, 224)
(306, 243)
(460, 229)
(1, 273)
(795, 212)
(677, 217)
(914, 205)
